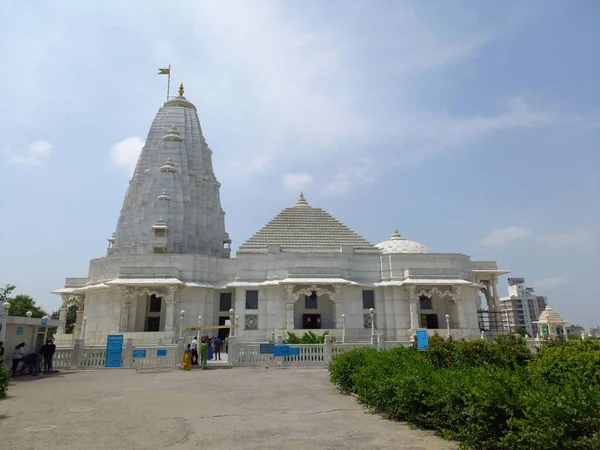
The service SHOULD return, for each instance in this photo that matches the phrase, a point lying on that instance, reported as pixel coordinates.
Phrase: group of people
(31, 361)
(198, 353)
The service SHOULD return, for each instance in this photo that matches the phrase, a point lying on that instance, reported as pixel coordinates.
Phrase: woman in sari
(210, 348)
(186, 361)
(203, 353)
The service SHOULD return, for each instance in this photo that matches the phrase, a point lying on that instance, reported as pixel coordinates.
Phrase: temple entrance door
(311, 321)
(223, 331)
(153, 314)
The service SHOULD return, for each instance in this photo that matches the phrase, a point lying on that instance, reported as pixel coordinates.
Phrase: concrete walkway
(213, 409)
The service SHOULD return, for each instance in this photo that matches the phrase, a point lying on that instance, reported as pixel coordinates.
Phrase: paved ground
(215, 409)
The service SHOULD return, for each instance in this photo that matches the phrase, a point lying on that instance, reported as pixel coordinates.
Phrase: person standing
(47, 352)
(210, 348)
(17, 357)
(203, 353)
(195, 351)
(218, 344)
(186, 361)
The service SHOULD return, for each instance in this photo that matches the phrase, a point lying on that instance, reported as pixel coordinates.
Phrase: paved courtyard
(214, 409)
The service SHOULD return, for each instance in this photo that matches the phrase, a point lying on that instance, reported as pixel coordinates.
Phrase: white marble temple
(304, 268)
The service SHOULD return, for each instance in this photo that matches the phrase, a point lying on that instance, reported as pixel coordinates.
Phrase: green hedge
(487, 395)
(4, 380)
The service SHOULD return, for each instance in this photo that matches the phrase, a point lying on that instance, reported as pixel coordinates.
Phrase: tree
(520, 330)
(5, 292)
(20, 304)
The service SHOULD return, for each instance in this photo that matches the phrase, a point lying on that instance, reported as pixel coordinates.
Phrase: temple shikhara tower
(303, 270)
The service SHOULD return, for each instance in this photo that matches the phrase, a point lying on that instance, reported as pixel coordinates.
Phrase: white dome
(397, 244)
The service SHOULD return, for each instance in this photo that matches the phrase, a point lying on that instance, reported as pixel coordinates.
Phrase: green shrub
(487, 395)
(4, 380)
(565, 416)
(307, 338)
(345, 365)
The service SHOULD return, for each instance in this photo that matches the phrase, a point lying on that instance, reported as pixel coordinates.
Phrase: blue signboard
(281, 350)
(161, 352)
(422, 340)
(44, 321)
(114, 350)
(267, 349)
(285, 350)
(20, 331)
(139, 353)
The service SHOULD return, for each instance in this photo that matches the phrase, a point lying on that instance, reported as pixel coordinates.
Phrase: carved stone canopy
(451, 293)
(69, 300)
(319, 290)
(129, 292)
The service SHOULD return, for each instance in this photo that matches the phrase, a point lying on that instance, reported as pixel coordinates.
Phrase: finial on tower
(396, 234)
(181, 89)
(301, 201)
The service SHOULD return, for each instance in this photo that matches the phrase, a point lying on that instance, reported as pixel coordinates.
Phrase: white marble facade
(171, 252)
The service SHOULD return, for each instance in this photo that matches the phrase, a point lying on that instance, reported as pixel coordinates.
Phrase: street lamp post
(199, 325)
(5, 307)
(373, 337)
(447, 325)
(29, 314)
(182, 315)
(343, 328)
(232, 329)
(83, 328)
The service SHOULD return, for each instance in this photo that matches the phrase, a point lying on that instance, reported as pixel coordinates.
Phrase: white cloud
(125, 154)
(38, 152)
(501, 236)
(252, 164)
(347, 177)
(296, 181)
(550, 283)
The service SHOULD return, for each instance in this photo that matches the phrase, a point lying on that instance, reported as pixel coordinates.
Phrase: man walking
(218, 344)
(195, 351)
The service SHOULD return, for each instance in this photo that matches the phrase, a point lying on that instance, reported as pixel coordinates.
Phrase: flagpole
(169, 82)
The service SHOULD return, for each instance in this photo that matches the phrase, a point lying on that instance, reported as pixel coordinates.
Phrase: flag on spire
(165, 71)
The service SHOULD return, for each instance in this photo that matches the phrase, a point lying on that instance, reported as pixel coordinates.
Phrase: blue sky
(473, 127)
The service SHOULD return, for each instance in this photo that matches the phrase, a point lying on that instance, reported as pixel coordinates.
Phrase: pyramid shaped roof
(303, 228)
(550, 316)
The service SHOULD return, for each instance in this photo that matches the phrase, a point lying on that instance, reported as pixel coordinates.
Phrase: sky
(472, 127)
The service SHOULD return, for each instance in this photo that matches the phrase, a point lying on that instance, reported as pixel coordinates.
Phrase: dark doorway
(311, 321)
(153, 324)
(223, 331)
(429, 321)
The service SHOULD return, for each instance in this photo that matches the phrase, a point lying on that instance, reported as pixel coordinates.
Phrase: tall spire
(173, 181)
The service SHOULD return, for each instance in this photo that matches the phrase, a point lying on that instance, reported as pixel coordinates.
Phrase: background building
(522, 307)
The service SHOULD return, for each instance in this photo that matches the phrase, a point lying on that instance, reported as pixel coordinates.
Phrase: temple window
(225, 301)
(425, 302)
(368, 298)
(160, 250)
(251, 299)
(310, 301)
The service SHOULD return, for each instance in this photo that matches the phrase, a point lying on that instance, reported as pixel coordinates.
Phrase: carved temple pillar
(62, 312)
(413, 308)
(460, 319)
(289, 308)
(80, 302)
(125, 308)
(170, 302)
(337, 307)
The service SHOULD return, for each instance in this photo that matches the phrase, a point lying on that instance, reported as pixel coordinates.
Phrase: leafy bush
(487, 395)
(4, 380)
(346, 365)
(307, 338)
